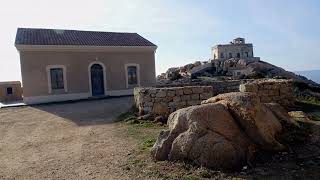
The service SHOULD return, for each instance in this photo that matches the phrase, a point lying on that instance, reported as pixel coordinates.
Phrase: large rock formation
(175, 73)
(255, 118)
(233, 68)
(223, 132)
(268, 70)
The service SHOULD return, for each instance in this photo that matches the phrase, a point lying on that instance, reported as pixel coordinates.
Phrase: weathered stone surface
(204, 96)
(193, 102)
(171, 93)
(197, 90)
(271, 90)
(179, 91)
(281, 113)
(160, 108)
(223, 132)
(161, 94)
(163, 101)
(205, 134)
(299, 116)
(185, 97)
(160, 119)
(258, 121)
(195, 97)
(187, 91)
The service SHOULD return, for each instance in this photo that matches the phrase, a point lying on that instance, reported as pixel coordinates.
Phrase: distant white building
(228, 59)
(238, 48)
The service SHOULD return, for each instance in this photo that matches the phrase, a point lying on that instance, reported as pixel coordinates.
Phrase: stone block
(273, 92)
(157, 100)
(176, 99)
(160, 109)
(195, 97)
(204, 96)
(182, 103)
(265, 99)
(197, 90)
(146, 109)
(187, 91)
(185, 97)
(268, 87)
(161, 93)
(207, 89)
(193, 102)
(172, 104)
(167, 99)
(171, 93)
(148, 104)
(146, 99)
(179, 91)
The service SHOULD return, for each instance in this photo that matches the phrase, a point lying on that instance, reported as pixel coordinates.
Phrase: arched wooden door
(97, 80)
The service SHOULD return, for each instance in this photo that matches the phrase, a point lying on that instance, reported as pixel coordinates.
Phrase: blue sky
(284, 33)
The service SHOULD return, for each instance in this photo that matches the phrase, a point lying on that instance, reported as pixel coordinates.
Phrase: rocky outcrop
(173, 74)
(234, 68)
(256, 119)
(268, 70)
(222, 132)
(206, 135)
(176, 73)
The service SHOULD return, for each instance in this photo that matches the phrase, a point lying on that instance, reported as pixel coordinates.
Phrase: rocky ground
(82, 141)
(300, 161)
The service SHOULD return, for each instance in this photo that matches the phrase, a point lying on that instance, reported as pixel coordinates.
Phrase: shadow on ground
(89, 112)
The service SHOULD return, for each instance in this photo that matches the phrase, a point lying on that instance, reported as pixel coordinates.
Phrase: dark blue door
(97, 81)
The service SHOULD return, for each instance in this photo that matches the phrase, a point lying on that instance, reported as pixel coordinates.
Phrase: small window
(247, 54)
(230, 55)
(214, 56)
(221, 55)
(132, 75)
(9, 91)
(238, 55)
(56, 75)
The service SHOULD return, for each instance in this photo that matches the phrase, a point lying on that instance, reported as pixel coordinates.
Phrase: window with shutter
(9, 91)
(132, 75)
(56, 75)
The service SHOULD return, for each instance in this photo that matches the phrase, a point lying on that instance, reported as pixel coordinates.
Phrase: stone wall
(272, 90)
(218, 86)
(163, 101)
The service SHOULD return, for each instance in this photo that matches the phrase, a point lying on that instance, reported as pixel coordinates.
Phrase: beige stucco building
(10, 91)
(60, 65)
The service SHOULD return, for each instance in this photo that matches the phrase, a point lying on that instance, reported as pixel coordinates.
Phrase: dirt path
(64, 141)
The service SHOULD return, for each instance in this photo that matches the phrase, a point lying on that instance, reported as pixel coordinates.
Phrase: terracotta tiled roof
(32, 36)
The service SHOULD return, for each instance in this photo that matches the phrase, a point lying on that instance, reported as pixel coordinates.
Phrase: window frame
(11, 91)
(65, 87)
(138, 75)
